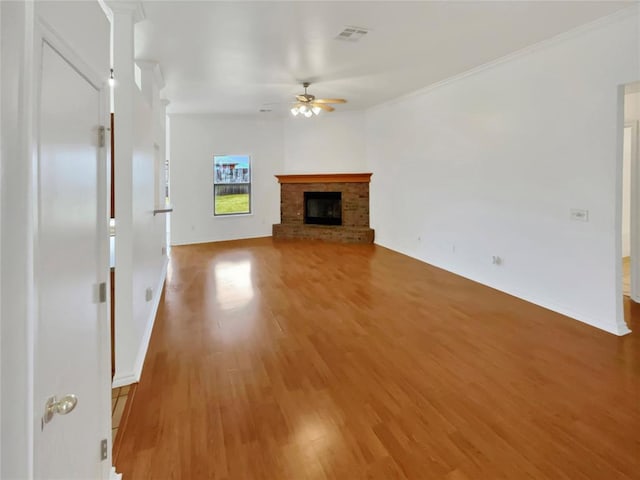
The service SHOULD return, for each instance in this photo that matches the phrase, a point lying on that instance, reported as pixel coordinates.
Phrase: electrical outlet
(148, 294)
(579, 215)
(496, 260)
(164, 251)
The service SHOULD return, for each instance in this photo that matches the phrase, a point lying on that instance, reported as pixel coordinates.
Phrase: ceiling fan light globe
(307, 105)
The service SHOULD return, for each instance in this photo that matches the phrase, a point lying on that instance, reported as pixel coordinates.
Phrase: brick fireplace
(350, 189)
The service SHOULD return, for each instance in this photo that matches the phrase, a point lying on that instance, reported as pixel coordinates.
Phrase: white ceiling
(234, 57)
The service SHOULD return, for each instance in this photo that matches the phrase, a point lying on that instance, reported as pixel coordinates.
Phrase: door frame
(621, 325)
(43, 33)
(16, 444)
(634, 211)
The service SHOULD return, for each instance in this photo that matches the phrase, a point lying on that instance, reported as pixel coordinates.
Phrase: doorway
(630, 224)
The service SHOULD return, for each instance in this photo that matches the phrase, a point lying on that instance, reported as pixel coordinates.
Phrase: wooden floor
(295, 360)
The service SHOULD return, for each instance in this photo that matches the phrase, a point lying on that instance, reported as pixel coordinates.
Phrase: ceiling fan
(308, 105)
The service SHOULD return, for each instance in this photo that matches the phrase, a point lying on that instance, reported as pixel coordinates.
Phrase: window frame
(248, 184)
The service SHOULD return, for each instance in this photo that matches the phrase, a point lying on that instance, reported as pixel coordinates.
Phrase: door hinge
(101, 136)
(102, 292)
(104, 452)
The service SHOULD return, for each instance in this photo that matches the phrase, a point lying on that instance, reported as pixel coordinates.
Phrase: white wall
(63, 16)
(491, 164)
(329, 143)
(147, 267)
(194, 141)
(140, 263)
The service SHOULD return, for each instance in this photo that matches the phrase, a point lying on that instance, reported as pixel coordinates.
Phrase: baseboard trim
(113, 475)
(127, 378)
(182, 243)
(124, 379)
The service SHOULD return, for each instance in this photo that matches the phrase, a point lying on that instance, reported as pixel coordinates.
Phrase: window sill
(234, 215)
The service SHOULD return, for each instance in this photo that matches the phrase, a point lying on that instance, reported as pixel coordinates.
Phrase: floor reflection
(234, 288)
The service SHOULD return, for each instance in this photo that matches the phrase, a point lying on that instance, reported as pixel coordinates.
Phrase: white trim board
(202, 242)
(17, 333)
(113, 475)
(635, 209)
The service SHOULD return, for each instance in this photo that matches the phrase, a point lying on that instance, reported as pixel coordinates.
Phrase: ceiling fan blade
(330, 100)
(325, 107)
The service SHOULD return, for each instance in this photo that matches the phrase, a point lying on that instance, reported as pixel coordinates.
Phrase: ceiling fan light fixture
(307, 105)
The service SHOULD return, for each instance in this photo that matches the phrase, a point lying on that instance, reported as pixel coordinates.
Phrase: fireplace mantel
(325, 178)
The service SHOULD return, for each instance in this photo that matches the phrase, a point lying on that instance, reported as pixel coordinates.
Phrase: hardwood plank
(296, 360)
(120, 419)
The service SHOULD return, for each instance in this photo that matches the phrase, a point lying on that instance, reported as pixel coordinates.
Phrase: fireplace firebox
(323, 208)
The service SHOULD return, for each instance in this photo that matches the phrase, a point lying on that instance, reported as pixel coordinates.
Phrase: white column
(125, 16)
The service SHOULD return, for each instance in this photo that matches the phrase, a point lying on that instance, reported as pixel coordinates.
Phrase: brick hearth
(355, 207)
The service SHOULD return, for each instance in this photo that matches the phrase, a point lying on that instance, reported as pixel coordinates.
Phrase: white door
(70, 263)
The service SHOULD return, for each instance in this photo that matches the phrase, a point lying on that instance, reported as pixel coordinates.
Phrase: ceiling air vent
(352, 34)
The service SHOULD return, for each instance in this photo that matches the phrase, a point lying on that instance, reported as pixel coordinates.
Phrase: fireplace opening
(323, 208)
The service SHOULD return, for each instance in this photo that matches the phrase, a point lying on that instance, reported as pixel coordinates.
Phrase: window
(231, 184)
